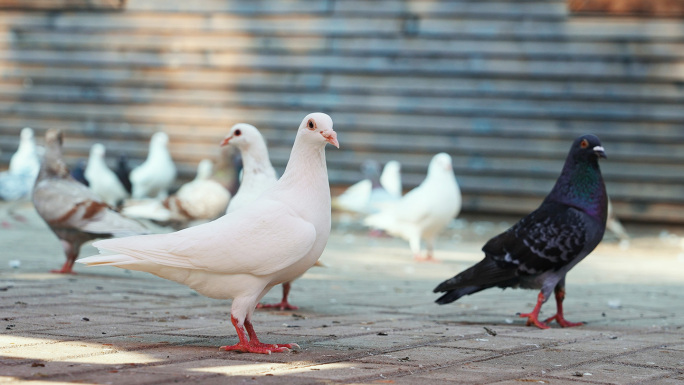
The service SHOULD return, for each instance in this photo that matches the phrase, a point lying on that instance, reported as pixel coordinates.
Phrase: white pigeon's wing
(414, 206)
(259, 239)
(355, 197)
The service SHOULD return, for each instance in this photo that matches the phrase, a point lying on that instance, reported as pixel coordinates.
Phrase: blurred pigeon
(424, 211)
(614, 225)
(154, 177)
(539, 250)
(18, 181)
(368, 196)
(258, 175)
(74, 213)
(101, 179)
(123, 171)
(390, 179)
(241, 255)
(198, 200)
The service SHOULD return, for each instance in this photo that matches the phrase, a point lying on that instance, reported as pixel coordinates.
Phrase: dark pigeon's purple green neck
(580, 185)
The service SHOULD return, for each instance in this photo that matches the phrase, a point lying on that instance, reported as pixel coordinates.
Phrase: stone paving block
(609, 372)
(97, 331)
(425, 356)
(376, 342)
(50, 351)
(468, 373)
(498, 343)
(658, 358)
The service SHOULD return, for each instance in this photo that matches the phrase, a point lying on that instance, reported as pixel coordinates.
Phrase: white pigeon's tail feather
(109, 259)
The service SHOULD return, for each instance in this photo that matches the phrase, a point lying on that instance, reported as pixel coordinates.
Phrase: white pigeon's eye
(311, 124)
(238, 132)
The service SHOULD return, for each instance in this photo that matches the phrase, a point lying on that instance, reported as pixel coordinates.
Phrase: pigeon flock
(273, 229)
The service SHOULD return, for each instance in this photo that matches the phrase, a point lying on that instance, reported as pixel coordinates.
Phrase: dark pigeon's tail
(483, 275)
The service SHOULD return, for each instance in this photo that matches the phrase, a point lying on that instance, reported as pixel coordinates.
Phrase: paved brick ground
(368, 317)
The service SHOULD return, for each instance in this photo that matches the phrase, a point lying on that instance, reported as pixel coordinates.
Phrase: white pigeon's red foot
(259, 348)
(283, 304)
(429, 258)
(533, 316)
(253, 345)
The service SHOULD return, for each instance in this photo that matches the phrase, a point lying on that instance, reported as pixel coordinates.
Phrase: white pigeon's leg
(283, 304)
(414, 244)
(239, 316)
(430, 247)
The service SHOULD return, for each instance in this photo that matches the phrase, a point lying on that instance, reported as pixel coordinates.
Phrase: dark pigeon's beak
(600, 152)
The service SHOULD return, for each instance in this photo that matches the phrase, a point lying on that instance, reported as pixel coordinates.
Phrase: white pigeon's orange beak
(225, 141)
(331, 137)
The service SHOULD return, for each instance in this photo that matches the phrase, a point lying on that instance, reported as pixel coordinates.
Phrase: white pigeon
(101, 179)
(369, 195)
(258, 174)
(154, 177)
(390, 179)
(201, 199)
(425, 211)
(241, 255)
(18, 180)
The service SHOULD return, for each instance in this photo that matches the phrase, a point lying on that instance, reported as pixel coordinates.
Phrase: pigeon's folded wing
(541, 242)
(258, 240)
(67, 203)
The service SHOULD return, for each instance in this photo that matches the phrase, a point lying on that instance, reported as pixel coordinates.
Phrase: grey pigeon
(74, 212)
(539, 250)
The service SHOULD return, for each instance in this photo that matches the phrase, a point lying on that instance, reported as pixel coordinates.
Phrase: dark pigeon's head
(587, 147)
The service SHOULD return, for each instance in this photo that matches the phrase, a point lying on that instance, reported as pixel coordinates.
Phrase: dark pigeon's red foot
(283, 305)
(533, 316)
(253, 345)
(560, 296)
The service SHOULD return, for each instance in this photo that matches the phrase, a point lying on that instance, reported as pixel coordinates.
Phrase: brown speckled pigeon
(74, 212)
(539, 250)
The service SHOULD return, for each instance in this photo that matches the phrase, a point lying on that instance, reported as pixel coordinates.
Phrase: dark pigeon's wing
(546, 240)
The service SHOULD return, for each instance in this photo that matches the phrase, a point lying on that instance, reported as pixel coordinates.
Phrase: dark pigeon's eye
(310, 124)
(584, 143)
(238, 132)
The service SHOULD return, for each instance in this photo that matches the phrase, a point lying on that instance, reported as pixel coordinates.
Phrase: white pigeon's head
(440, 164)
(159, 139)
(242, 135)
(26, 134)
(318, 128)
(97, 151)
(205, 169)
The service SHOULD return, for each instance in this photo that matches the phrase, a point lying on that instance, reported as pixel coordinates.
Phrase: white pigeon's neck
(255, 161)
(306, 176)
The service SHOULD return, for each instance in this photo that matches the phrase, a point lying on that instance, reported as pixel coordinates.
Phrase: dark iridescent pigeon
(541, 248)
